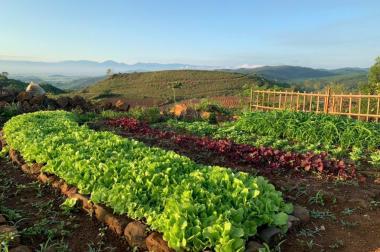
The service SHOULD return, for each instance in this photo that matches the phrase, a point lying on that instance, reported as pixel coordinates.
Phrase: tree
(109, 72)
(374, 77)
(5, 74)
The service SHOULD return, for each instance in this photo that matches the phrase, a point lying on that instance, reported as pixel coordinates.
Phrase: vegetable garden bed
(265, 159)
(150, 184)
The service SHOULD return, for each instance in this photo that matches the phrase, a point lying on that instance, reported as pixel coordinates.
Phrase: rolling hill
(157, 85)
(18, 86)
(310, 79)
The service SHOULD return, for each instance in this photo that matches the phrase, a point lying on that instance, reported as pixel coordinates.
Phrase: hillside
(156, 85)
(286, 73)
(310, 79)
(18, 86)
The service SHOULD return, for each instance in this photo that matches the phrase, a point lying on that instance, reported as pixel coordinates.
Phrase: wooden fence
(363, 107)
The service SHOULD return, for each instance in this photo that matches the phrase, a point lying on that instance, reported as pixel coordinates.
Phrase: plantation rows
(265, 159)
(194, 206)
(340, 137)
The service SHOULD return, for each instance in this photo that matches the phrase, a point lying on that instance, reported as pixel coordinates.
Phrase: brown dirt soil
(345, 215)
(35, 210)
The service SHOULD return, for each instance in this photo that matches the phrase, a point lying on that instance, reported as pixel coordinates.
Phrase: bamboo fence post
(333, 103)
(368, 105)
(286, 94)
(318, 102)
(360, 106)
(350, 105)
(340, 104)
(251, 100)
(291, 101)
(279, 101)
(257, 100)
(263, 99)
(304, 101)
(268, 98)
(327, 105)
(378, 108)
(298, 99)
(311, 103)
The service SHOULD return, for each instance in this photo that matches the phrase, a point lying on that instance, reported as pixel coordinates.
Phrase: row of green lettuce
(295, 131)
(194, 206)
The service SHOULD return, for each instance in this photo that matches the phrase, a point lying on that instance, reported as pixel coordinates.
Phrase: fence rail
(363, 107)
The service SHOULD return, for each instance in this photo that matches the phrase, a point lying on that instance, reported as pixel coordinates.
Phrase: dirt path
(35, 210)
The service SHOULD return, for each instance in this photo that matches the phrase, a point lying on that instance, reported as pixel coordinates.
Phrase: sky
(320, 34)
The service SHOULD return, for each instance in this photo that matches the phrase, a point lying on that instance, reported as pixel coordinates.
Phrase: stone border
(135, 232)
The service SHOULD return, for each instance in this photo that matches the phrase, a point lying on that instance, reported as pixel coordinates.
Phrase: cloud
(248, 66)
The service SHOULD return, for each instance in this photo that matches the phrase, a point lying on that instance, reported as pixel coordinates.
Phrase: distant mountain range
(84, 73)
(86, 68)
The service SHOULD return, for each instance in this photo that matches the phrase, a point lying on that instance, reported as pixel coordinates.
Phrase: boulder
(78, 101)
(122, 105)
(24, 96)
(301, 213)
(136, 233)
(63, 102)
(293, 221)
(253, 246)
(179, 109)
(21, 248)
(3, 104)
(2, 219)
(40, 100)
(205, 115)
(35, 89)
(156, 243)
(270, 235)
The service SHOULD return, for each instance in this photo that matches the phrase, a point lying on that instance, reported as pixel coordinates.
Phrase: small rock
(359, 202)
(122, 105)
(253, 246)
(301, 213)
(2, 219)
(135, 233)
(156, 243)
(293, 221)
(21, 248)
(377, 181)
(5, 229)
(24, 96)
(270, 235)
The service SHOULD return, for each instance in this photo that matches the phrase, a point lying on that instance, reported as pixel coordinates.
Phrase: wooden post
(298, 100)
(251, 101)
(340, 104)
(360, 106)
(279, 101)
(350, 105)
(286, 94)
(377, 109)
(333, 103)
(327, 101)
(291, 101)
(318, 102)
(257, 100)
(263, 99)
(368, 105)
(311, 103)
(304, 101)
